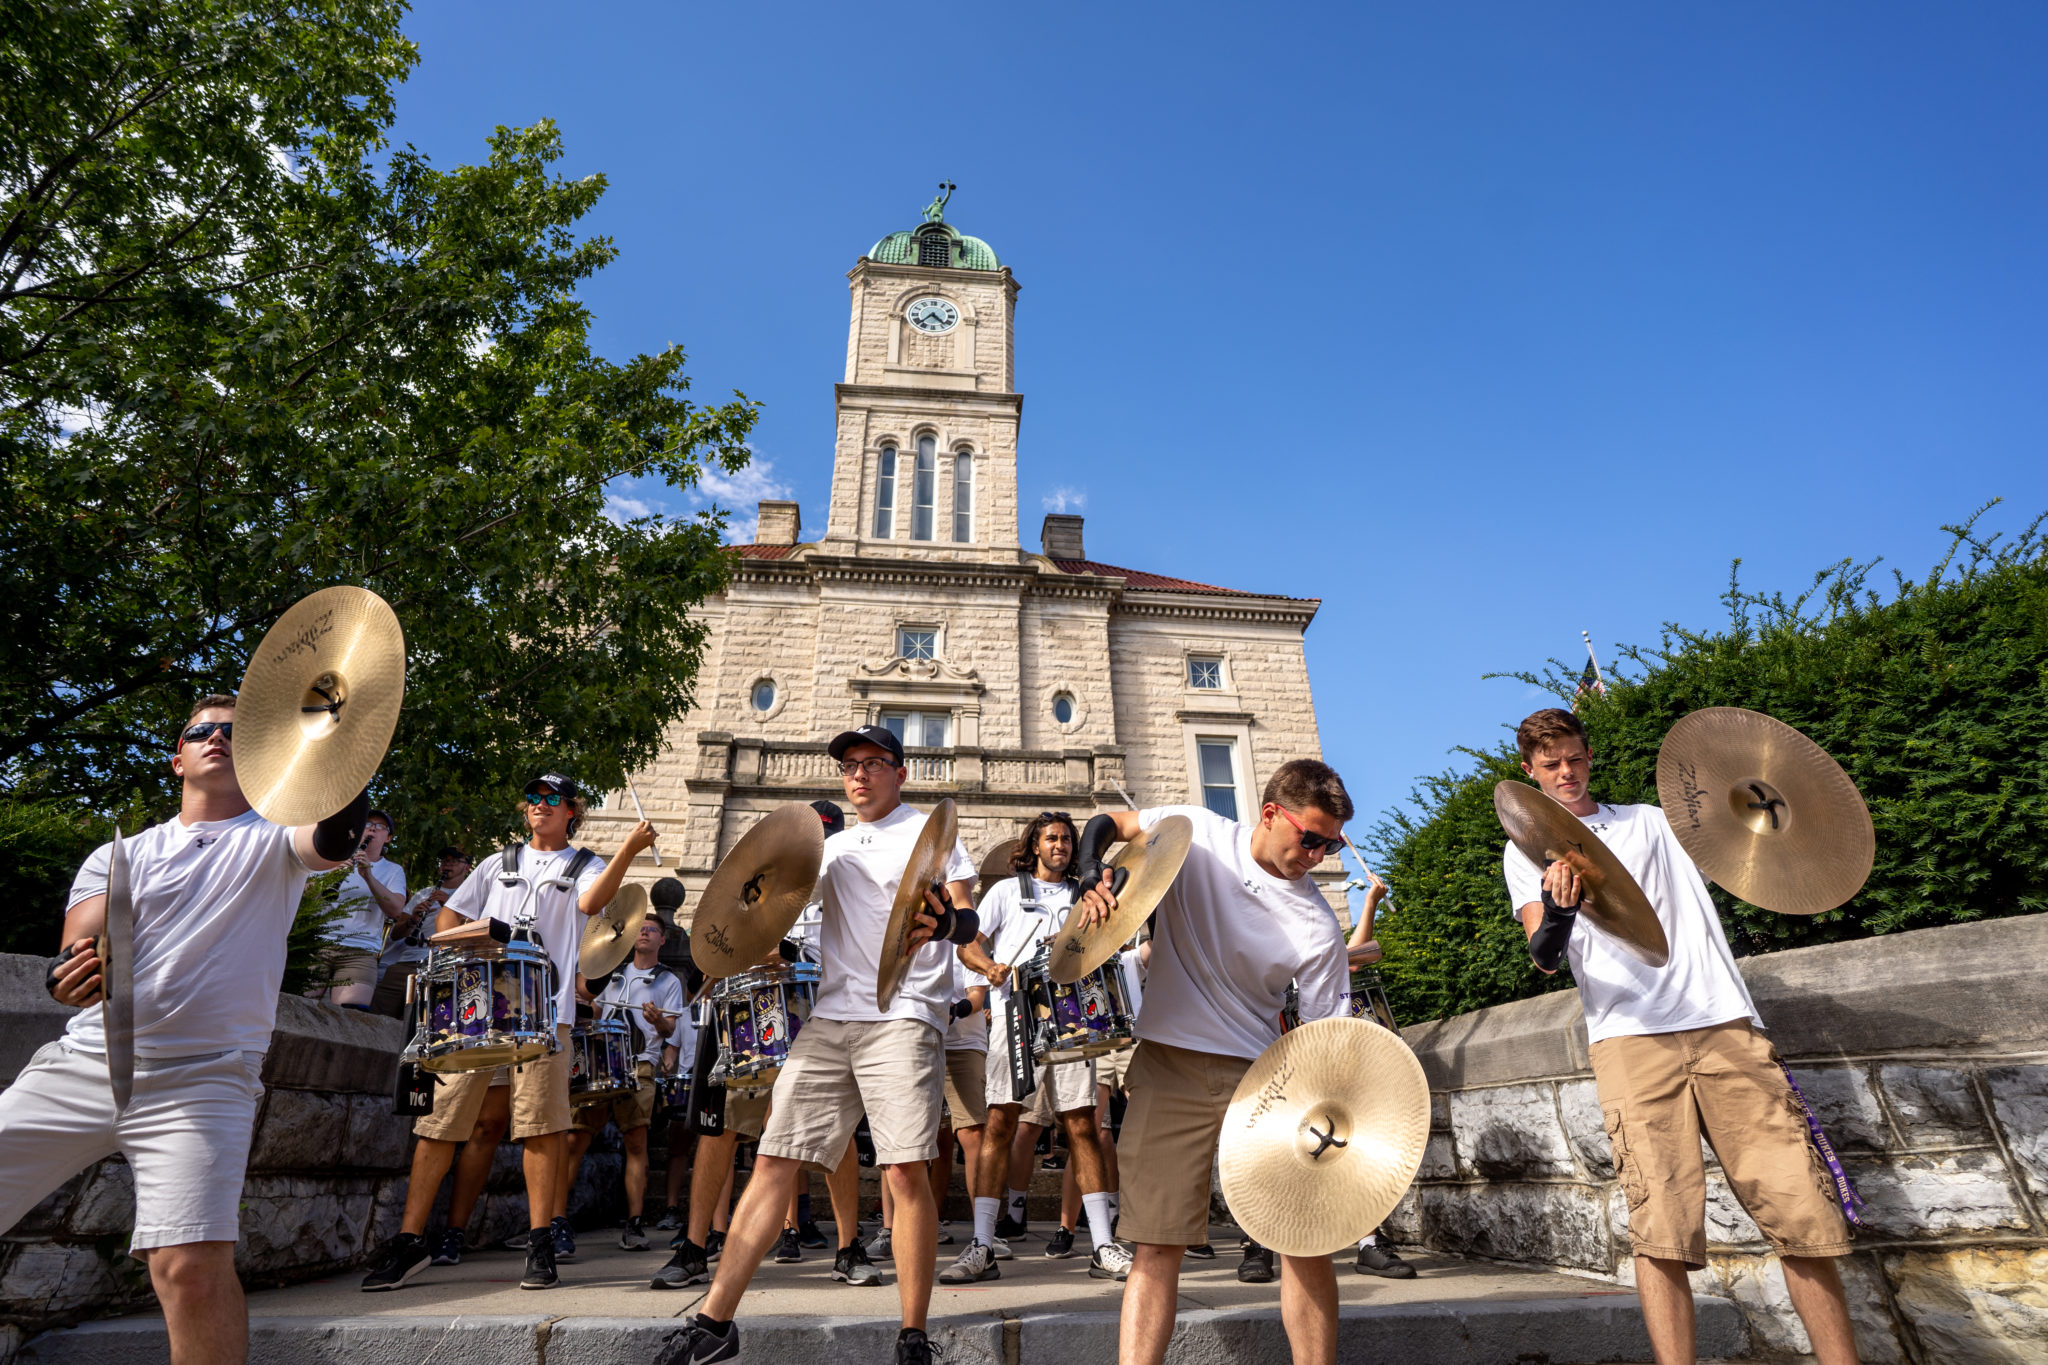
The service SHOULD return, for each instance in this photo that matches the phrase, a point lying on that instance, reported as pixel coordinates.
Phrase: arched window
(885, 495)
(925, 490)
(963, 496)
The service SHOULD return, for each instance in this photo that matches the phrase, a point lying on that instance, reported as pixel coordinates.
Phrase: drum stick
(1356, 854)
(640, 811)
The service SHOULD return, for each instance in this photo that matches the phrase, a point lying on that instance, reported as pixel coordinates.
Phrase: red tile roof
(762, 551)
(1141, 581)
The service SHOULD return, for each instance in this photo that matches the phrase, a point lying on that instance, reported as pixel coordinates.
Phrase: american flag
(1589, 681)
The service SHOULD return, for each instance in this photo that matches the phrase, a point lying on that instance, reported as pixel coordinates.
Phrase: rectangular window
(963, 497)
(1219, 775)
(925, 489)
(918, 729)
(917, 644)
(1205, 674)
(885, 495)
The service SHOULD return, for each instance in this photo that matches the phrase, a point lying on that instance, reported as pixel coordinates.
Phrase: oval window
(1063, 709)
(764, 695)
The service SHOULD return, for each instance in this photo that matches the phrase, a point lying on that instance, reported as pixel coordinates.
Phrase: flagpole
(1598, 676)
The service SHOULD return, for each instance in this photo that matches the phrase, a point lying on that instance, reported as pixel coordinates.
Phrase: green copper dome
(935, 242)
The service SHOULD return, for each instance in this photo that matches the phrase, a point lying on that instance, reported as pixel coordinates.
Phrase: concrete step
(1558, 1331)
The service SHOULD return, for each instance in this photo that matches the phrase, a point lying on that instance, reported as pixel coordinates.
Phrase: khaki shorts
(1168, 1145)
(894, 1069)
(540, 1098)
(966, 1088)
(350, 966)
(746, 1115)
(628, 1111)
(1660, 1092)
(1112, 1068)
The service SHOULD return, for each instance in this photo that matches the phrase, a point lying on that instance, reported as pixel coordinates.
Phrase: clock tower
(925, 465)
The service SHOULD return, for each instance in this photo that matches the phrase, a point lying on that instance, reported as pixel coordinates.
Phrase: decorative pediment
(922, 670)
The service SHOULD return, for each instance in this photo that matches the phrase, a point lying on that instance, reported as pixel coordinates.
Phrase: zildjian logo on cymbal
(715, 935)
(308, 636)
(1325, 1141)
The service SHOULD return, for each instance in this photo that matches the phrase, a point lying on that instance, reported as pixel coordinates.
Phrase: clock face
(933, 315)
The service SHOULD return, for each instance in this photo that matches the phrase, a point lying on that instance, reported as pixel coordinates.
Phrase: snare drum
(1075, 1021)
(671, 1097)
(484, 1007)
(1371, 1001)
(601, 1065)
(759, 1015)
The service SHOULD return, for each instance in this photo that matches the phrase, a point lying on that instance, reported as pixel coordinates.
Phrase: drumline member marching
(649, 996)
(1240, 921)
(370, 898)
(1678, 1052)
(1018, 914)
(853, 1055)
(215, 890)
(563, 885)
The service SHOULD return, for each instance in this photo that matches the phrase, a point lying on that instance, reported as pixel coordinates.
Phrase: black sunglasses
(203, 731)
(536, 798)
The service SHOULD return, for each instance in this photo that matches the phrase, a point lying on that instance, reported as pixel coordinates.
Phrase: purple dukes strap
(1845, 1193)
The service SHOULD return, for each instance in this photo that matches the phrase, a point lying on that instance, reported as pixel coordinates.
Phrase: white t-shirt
(399, 949)
(362, 922)
(1621, 996)
(555, 916)
(969, 1034)
(857, 883)
(214, 902)
(1230, 937)
(1011, 925)
(633, 987)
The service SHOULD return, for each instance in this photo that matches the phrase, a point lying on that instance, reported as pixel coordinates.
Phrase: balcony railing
(744, 762)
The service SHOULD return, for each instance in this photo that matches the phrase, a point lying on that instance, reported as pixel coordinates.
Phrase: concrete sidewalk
(1456, 1312)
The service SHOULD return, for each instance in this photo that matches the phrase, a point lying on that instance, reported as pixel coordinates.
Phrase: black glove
(962, 1008)
(1095, 841)
(1547, 945)
(956, 925)
(338, 836)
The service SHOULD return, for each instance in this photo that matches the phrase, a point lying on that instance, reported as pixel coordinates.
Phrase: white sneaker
(1000, 1249)
(976, 1263)
(1111, 1261)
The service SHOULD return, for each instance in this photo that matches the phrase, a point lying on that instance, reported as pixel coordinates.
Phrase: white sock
(986, 1208)
(1017, 1205)
(1370, 1239)
(1099, 1211)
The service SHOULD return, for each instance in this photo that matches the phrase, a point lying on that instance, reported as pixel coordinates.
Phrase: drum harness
(1023, 1079)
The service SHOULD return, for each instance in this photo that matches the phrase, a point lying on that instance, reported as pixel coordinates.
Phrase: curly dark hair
(1025, 859)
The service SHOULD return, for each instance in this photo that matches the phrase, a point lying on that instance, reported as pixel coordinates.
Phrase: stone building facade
(1019, 679)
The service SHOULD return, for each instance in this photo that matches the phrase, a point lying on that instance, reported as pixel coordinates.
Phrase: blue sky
(1484, 323)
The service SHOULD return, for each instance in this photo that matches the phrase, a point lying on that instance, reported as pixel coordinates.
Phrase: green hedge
(1933, 696)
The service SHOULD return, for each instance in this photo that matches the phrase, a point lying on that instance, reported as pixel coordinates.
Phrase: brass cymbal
(318, 703)
(1323, 1136)
(117, 974)
(928, 859)
(1545, 832)
(995, 868)
(759, 889)
(1764, 811)
(609, 935)
(1154, 859)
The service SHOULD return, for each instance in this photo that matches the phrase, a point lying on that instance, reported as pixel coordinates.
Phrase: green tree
(247, 350)
(1932, 696)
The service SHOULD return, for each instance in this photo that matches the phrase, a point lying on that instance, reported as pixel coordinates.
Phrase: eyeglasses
(1055, 815)
(1311, 842)
(203, 731)
(537, 798)
(870, 766)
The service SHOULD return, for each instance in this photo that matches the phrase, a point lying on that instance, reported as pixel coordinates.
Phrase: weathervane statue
(935, 212)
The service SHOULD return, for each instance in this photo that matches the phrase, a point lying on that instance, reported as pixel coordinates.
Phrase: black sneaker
(1257, 1265)
(1060, 1245)
(1056, 1162)
(403, 1257)
(1008, 1228)
(686, 1267)
(913, 1347)
(787, 1252)
(698, 1344)
(565, 1239)
(853, 1266)
(1384, 1261)
(1201, 1251)
(671, 1219)
(809, 1238)
(714, 1245)
(540, 1261)
(448, 1250)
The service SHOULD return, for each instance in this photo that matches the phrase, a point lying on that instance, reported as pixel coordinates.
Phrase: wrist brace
(962, 1008)
(1547, 945)
(957, 926)
(1095, 841)
(337, 837)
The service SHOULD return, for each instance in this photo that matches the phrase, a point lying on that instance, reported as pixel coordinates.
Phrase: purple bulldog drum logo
(771, 1024)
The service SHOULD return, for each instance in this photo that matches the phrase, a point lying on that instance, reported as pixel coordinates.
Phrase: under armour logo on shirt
(203, 840)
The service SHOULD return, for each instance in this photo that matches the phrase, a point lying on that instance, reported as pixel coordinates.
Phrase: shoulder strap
(508, 859)
(584, 857)
(1024, 889)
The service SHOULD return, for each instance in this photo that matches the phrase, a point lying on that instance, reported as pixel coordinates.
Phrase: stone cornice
(1196, 607)
(1006, 404)
(947, 274)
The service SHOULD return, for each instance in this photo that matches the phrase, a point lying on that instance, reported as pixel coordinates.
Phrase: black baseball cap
(563, 784)
(833, 817)
(389, 823)
(867, 734)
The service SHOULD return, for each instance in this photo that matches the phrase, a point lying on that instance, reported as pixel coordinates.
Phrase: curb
(1559, 1331)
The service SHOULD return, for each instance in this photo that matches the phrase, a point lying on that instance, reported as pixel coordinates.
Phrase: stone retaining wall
(327, 1168)
(1925, 1056)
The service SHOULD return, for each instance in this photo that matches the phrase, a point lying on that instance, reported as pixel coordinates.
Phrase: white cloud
(623, 509)
(1065, 499)
(737, 494)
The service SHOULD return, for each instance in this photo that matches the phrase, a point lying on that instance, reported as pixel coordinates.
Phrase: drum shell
(601, 1062)
(1075, 1021)
(758, 1016)
(485, 1007)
